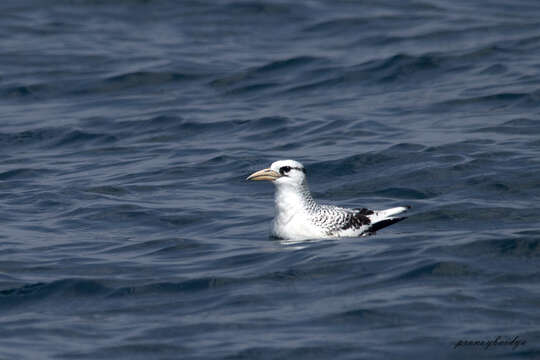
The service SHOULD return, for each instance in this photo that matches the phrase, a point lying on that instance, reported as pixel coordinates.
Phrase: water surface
(128, 128)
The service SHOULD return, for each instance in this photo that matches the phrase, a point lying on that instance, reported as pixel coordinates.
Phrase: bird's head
(282, 172)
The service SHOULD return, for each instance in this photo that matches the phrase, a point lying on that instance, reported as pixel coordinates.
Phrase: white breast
(292, 218)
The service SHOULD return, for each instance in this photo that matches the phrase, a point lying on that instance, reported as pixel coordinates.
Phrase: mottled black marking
(357, 220)
(364, 211)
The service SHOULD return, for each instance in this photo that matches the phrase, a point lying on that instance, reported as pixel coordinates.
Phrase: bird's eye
(284, 169)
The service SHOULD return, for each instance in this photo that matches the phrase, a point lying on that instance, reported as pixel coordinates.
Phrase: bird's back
(337, 221)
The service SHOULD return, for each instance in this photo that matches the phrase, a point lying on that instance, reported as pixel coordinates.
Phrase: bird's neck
(293, 199)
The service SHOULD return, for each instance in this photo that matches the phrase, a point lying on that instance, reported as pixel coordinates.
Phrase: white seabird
(299, 217)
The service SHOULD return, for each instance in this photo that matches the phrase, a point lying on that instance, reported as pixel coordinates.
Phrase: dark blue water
(127, 129)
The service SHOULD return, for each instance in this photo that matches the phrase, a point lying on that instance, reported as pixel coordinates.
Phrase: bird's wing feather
(356, 219)
(383, 218)
(338, 220)
(384, 223)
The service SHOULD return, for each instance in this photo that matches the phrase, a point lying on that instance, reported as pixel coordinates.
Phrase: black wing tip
(363, 211)
(384, 223)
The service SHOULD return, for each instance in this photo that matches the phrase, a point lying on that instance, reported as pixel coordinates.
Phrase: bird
(299, 217)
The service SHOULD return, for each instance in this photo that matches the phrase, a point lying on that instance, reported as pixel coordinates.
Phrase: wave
(51, 138)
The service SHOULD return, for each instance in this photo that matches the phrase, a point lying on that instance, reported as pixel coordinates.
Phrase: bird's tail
(383, 218)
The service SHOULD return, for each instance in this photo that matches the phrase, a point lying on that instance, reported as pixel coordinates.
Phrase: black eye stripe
(285, 169)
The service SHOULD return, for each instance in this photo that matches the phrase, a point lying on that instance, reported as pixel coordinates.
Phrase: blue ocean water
(127, 129)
